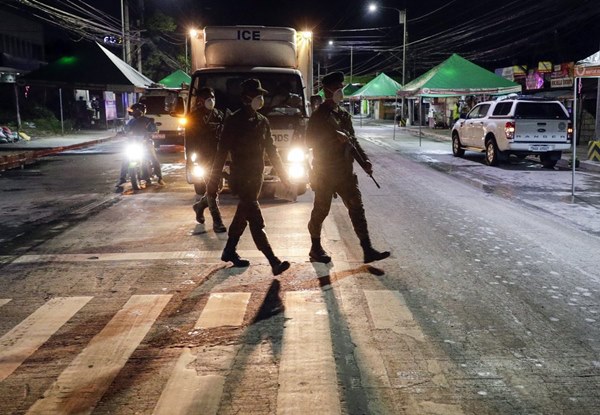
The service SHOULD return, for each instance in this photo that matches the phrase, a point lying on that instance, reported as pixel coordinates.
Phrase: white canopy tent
(586, 68)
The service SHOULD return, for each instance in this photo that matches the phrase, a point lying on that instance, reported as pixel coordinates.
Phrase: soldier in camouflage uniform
(331, 136)
(202, 136)
(247, 136)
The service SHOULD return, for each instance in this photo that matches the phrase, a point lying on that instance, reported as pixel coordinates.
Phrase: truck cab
(168, 107)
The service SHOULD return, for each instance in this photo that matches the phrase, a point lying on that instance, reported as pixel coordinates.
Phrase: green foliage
(161, 57)
(160, 23)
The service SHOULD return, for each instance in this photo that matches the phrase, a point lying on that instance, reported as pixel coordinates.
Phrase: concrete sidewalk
(13, 155)
(444, 135)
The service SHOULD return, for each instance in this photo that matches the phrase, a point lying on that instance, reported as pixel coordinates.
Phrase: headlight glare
(198, 171)
(296, 155)
(296, 171)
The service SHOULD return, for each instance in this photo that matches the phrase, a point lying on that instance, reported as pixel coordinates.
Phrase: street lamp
(401, 20)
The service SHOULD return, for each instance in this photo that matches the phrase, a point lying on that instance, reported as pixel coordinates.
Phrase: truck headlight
(194, 157)
(296, 155)
(134, 151)
(296, 171)
(198, 171)
(182, 121)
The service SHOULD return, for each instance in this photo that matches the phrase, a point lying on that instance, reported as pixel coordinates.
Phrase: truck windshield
(285, 96)
(156, 104)
(540, 110)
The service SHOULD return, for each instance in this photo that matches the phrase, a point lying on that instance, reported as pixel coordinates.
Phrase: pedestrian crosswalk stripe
(25, 338)
(389, 312)
(81, 385)
(4, 301)
(191, 391)
(224, 309)
(307, 371)
(194, 388)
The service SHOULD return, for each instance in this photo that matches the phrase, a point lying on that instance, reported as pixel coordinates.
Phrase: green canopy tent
(380, 87)
(348, 90)
(457, 76)
(176, 79)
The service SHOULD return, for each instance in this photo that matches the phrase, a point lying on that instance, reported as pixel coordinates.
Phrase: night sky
(491, 33)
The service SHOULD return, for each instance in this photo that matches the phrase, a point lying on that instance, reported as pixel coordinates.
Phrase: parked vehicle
(281, 58)
(514, 125)
(169, 107)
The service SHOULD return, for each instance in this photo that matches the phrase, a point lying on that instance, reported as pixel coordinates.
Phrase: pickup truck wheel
(547, 161)
(457, 150)
(491, 153)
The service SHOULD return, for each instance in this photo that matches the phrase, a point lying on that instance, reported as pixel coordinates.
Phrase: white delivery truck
(168, 108)
(281, 58)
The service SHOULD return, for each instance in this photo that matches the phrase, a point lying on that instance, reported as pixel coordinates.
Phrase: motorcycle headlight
(134, 151)
(198, 171)
(296, 155)
(296, 171)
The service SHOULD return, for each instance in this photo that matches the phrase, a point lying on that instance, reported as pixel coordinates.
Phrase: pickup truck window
(502, 108)
(479, 111)
(540, 110)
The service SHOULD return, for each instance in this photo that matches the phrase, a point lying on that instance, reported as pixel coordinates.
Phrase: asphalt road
(118, 303)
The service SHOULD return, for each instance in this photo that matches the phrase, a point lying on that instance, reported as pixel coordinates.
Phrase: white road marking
(195, 388)
(206, 256)
(307, 373)
(389, 312)
(224, 309)
(81, 385)
(4, 301)
(24, 339)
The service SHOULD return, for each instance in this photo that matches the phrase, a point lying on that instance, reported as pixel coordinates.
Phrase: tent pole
(18, 111)
(395, 109)
(420, 117)
(62, 120)
(574, 139)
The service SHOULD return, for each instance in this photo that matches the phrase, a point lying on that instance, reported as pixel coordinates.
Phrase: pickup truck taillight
(509, 130)
(570, 132)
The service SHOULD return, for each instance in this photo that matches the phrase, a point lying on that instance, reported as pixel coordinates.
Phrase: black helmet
(138, 106)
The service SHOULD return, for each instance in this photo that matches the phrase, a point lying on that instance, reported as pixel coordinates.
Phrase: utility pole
(351, 59)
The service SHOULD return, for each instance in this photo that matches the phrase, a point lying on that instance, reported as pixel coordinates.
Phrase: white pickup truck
(514, 125)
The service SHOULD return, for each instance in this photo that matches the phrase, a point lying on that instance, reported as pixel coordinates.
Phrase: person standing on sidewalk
(247, 136)
(202, 136)
(331, 136)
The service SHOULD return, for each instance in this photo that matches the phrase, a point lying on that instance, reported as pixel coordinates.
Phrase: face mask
(338, 96)
(257, 102)
(209, 103)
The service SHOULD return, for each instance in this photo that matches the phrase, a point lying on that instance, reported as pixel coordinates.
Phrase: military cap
(252, 85)
(333, 78)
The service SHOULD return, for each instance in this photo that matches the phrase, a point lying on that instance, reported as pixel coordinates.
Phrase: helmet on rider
(138, 109)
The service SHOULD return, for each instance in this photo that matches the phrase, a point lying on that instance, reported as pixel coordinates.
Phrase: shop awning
(96, 68)
(588, 67)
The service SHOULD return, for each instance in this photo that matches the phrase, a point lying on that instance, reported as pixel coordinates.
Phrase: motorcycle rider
(140, 125)
(202, 135)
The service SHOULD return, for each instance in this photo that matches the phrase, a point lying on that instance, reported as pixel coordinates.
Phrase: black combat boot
(277, 265)
(199, 209)
(317, 253)
(230, 254)
(213, 208)
(370, 253)
(262, 243)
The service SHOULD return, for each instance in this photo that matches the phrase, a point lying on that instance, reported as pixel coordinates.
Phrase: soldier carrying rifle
(331, 136)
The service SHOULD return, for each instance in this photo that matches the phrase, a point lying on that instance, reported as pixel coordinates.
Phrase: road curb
(21, 158)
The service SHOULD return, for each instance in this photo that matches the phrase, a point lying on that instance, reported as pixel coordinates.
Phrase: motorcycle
(139, 165)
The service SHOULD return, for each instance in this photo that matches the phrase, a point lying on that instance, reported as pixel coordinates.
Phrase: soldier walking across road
(202, 136)
(331, 136)
(247, 136)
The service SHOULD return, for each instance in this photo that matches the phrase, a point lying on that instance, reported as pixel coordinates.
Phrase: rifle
(359, 158)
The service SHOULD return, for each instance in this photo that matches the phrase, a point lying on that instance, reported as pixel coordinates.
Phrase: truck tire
(267, 191)
(301, 189)
(549, 160)
(457, 150)
(492, 154)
